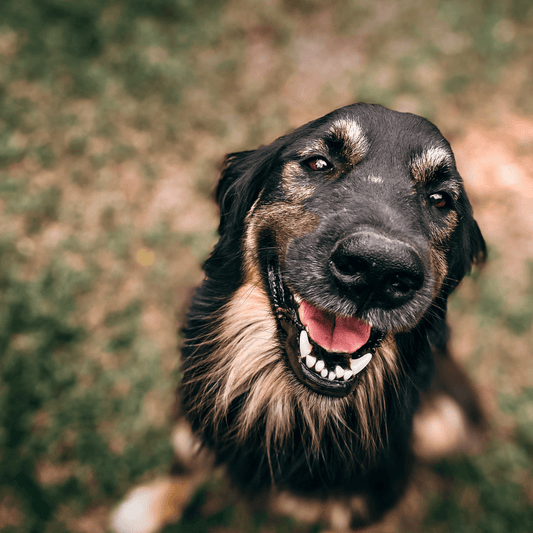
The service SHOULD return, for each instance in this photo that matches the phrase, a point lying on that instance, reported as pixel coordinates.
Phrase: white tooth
(347, 375)
(310, 361)
(305, 347)
(331, 376)
(320, 365)
(355, 362)
(358, 364)
(339, 371)
(297, 298)
(324, 373)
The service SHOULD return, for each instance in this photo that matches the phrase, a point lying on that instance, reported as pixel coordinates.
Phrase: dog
(316, 348)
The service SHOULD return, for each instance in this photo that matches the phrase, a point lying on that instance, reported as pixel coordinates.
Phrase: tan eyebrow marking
(425, 164)
(314, 148)
(350, 133)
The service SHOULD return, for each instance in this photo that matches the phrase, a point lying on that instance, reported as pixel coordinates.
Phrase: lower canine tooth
(310, 361)
(305, 347)
(358, 364)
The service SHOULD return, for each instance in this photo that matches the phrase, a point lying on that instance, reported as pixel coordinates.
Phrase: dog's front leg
(450, 419)
(149, 507)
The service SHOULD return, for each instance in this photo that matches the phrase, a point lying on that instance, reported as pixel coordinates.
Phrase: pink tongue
(336, 334)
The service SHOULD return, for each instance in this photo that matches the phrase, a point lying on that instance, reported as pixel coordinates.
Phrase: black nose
(377, 270)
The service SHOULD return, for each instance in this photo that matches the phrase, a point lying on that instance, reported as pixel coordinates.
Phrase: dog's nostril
(405, 283)
(349, 266)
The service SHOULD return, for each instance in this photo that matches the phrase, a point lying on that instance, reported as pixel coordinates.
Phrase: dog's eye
(440, 199)
(318, 163)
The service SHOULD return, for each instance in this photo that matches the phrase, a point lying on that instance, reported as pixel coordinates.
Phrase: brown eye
(318, 163)
(440, 200)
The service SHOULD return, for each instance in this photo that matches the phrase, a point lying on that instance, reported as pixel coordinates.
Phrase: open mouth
(326, 352)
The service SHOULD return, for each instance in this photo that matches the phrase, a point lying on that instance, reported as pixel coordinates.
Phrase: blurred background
(114, 116)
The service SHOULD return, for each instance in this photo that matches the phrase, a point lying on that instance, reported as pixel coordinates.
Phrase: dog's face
(357, 227)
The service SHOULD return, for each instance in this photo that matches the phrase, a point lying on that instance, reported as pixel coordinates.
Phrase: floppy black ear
(243, 177)
(239, 185)
(478, 248)
(471, 251)
(474, 248)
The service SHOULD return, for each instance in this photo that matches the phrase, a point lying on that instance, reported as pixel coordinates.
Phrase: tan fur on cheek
(295, 192)
(440, 237)
(284, 221)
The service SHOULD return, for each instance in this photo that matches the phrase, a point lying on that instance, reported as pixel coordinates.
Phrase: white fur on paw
(142, 511)
(439, 429)
(339, 517)
(185, 444)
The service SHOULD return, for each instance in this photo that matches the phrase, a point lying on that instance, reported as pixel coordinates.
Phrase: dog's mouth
(327, 352)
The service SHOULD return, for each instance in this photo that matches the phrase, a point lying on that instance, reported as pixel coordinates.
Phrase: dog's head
(357, 226)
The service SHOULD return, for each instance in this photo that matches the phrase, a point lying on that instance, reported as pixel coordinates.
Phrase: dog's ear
(239, 185)
(478, 249)
(472, 249)
(243, 176)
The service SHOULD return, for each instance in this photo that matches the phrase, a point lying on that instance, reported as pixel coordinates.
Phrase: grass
(60, 407)
(113, 119)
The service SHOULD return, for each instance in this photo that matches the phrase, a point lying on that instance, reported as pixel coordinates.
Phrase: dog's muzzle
(327, 350)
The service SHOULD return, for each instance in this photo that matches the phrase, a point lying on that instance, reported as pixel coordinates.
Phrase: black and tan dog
(321, 323)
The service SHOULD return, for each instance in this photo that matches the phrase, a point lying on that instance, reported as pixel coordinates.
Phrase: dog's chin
(324, 357)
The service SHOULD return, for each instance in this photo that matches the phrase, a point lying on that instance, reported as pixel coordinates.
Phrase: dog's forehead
(379, 136)
(360, 129)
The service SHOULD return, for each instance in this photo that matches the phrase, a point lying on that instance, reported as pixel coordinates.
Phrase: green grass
(55, 399)
(105, 106)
